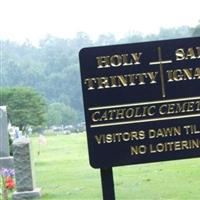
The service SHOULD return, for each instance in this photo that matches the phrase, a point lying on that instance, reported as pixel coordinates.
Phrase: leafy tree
(106, 39)
(59, 114)
(170, 33)
(24, 105)
(196, 30)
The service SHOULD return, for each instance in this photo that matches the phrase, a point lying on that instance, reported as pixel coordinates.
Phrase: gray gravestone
(6, 161)
(25, 183)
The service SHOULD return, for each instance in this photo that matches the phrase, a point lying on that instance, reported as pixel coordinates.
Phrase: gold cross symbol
(161, 62)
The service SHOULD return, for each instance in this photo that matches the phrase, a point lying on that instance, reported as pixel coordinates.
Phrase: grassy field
(63, 173)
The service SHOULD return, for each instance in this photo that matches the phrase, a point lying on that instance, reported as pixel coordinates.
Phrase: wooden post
(107, 184)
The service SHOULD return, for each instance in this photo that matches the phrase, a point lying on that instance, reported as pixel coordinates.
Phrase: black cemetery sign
(142, 101)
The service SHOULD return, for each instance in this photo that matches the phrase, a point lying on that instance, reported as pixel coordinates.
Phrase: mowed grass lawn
(63, 172)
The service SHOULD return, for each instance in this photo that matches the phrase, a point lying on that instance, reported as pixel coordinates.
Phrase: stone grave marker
(24, 173)
(6, 161)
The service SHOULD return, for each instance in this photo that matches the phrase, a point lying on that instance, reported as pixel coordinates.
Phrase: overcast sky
(34, 19)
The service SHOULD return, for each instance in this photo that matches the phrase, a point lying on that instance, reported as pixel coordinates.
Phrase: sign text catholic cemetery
(142, 101)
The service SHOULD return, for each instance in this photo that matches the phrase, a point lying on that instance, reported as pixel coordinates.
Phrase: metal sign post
(107, 184)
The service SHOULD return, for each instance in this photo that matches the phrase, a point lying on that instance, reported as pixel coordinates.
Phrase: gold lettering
(144, 111)
(134, 135)
(151, 110)
(190, 54)
(116, 60)
(198, 105)
(198, 52)
(163, 109)
(122, 80)
(180, 108)
(104, 117)
(111, 112)
(170, 75)
(174, 146)
(183, 74)
(152, 133)
(136, 58)
(195, 143)
(164, 132)
(197, 73)
(113, 81)
(160, 147)
(131, 79)
(103, 82)
(171, 108)
(177, 75)
(190, 106)
(135, 150)
(125, 60)
(137, 112)
(103, 61)
(94, 117)
(120, 113)
(99, 138)
(184, 144)
(187, 73)
(129, 113)
(152, 76)
(152, 150)
(141, 78)
(177, 146)
(169, 146)
(141, 135)
(120, 137)
(180, 54)
(126, 136)
(108, 138)
(90, 83)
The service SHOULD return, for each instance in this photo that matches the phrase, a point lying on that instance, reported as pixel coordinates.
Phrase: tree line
(52, 69)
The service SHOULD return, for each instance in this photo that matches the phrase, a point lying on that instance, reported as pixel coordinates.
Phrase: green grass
(63, 172)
